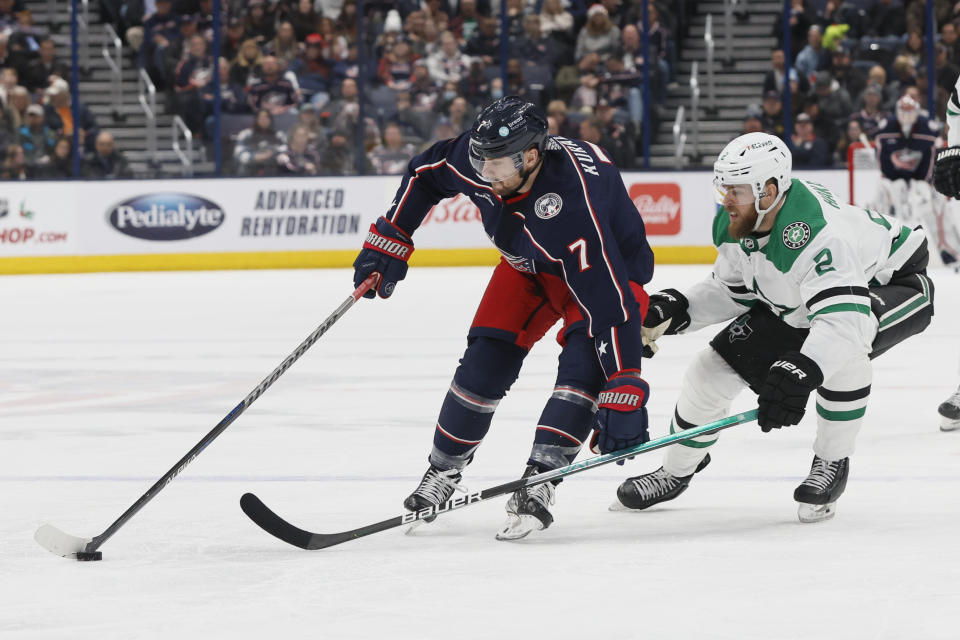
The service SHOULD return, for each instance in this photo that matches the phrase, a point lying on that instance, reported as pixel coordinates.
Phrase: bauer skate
(818, 494)
(949, 412)
(641, 492)
(528, 509)
(435, 488)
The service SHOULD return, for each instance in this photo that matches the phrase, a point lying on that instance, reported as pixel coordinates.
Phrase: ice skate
(949, 412)
(436, 487)
(818, 494)
(528, 510)
(641, 492)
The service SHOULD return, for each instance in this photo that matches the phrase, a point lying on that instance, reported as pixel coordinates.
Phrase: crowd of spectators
(37, 121)
(290, 77)
(850, 64)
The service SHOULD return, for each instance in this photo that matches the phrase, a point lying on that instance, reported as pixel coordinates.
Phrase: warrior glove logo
(610, 398)
(386, 245)
(796, 234)
(548, 205)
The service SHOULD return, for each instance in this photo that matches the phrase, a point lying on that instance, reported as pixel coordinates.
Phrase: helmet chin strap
(524, 176)
(762, 213)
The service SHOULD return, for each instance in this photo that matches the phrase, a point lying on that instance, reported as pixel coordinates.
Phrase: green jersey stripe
(837, 308)
(841, 416)
(904, 234)
(915, 303)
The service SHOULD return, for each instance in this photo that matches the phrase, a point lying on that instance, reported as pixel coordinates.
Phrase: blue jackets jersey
(906, 158)
(576, 222)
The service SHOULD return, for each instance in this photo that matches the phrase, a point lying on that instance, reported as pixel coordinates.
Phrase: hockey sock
(709, 386)
(563, 428)
(841, 406)
(683, 458)
(487, 370)
(464, 421)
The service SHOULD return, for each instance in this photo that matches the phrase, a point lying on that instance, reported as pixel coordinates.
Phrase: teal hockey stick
(276, 526)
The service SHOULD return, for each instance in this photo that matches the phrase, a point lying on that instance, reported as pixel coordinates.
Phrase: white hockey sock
(709, 386)
(841, 405)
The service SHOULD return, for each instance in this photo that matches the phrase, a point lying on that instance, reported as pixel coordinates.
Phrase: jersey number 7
(579, 247)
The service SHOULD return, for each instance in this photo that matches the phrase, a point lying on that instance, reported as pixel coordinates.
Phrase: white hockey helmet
(752, 159)
(907, 113)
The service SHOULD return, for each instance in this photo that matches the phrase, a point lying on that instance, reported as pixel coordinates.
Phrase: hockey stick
(276, 526)
(62, 544)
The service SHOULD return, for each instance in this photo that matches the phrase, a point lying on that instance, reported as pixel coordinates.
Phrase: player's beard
(742, 226)
(507, 188)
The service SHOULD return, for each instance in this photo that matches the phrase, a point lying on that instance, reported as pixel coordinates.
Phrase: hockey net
(864, 172)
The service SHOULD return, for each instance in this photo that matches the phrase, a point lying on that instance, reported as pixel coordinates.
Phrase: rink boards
(271, 223)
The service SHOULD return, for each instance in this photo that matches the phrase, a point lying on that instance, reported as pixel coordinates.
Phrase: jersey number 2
(580, 249)
(823, 260)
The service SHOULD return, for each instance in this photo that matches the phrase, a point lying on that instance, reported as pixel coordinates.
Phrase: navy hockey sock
(562, 429)
(464, 421)
(486, 371)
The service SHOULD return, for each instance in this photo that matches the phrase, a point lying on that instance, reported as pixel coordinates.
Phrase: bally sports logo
(659, 206)
(165, 216)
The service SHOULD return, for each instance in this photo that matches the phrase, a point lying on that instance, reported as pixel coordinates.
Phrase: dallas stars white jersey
(812, 269)
(953, 116)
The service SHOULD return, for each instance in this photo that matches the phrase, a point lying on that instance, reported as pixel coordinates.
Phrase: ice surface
(106, 380)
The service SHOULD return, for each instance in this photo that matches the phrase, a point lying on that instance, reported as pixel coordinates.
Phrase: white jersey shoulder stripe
(406, 192)
(616, 348)
(436, 165)
(597, 151)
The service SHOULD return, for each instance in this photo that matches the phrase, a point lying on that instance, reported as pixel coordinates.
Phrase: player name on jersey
(585, 160)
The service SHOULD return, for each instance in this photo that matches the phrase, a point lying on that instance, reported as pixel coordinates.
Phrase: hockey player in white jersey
(815, 288)
(946, 179)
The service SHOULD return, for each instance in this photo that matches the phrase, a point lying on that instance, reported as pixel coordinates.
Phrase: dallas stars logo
(796, 234)
(780, 309)
(739, 330)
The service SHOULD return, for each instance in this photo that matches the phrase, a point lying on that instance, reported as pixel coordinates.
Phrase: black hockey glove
(622, 412)
(385, 251)
(666, 315)
(783, 397)
(946, 172)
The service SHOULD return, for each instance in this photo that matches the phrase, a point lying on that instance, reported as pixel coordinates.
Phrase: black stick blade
(276, 526)
(272, 523)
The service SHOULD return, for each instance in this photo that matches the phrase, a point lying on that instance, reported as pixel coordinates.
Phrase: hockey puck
(89, 556)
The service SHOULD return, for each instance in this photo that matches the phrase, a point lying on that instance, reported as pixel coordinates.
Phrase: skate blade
(946, 424)
(518, 526)
(816, 512)
(619, 506)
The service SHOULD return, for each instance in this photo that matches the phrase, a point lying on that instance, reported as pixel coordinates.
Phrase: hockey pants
(740, 355)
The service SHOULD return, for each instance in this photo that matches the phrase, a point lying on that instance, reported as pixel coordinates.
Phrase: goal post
(863, 172)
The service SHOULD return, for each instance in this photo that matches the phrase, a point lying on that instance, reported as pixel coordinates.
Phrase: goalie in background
(946, 178)
(905, 151)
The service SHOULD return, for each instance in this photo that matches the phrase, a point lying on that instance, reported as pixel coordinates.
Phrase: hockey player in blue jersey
(574, 249)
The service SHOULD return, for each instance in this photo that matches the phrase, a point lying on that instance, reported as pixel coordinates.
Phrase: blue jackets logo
(166, 216)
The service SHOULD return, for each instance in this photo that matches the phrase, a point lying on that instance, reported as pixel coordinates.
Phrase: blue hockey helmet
(506, 129)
